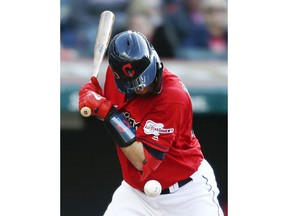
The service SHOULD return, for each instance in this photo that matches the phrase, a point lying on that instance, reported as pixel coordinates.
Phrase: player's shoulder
(173, 86)
(174, 97)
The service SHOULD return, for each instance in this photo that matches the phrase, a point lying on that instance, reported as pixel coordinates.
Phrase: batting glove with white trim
(99, 105)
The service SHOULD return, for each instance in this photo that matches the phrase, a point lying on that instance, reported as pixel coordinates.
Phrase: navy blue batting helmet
(135, 62)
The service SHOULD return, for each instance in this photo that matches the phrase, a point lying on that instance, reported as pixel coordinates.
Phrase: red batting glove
(93, 86)
(95, 81)
(99, 105)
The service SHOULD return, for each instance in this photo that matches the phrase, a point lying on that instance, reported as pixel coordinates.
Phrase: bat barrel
(105, 27)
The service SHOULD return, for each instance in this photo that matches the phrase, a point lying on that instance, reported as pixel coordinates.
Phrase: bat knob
(85, 111)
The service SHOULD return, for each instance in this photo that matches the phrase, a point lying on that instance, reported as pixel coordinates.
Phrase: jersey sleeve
(159, 127)
(158, 132)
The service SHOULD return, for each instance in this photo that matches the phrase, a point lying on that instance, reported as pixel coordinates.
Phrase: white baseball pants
(197, 198)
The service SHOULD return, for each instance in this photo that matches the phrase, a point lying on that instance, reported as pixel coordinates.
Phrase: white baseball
(152, 188)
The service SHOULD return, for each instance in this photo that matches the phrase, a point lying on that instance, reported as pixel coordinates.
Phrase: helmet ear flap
(158, 79)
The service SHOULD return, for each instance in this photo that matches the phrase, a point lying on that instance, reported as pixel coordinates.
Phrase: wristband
(120, 129)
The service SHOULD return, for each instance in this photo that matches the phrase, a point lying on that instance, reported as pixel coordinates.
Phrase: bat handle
(85, 111)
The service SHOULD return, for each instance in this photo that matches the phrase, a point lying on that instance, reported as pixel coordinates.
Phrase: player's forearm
(135, 154)
(116, 123)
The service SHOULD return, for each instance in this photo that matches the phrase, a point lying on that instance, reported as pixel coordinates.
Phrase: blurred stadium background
(191, 39)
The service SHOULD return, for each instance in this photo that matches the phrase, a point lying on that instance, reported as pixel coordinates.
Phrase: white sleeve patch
(156, 129)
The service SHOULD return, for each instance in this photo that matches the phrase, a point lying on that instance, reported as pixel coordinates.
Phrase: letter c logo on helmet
(128, 70)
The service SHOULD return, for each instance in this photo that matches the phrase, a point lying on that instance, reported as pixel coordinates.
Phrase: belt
(176, 186)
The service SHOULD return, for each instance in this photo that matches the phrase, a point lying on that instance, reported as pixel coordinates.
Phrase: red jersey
(163, 122)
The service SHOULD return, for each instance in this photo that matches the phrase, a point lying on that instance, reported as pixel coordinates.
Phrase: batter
(148, 112)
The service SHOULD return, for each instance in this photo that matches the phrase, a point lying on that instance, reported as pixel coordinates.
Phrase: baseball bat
(103, 35)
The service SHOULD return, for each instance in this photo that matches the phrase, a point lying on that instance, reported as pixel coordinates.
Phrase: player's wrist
(103, 110)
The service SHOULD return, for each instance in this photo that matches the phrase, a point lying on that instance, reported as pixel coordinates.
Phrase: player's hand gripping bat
(105, 27)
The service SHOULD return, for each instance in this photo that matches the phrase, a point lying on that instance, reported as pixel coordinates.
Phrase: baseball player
(148, 112)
